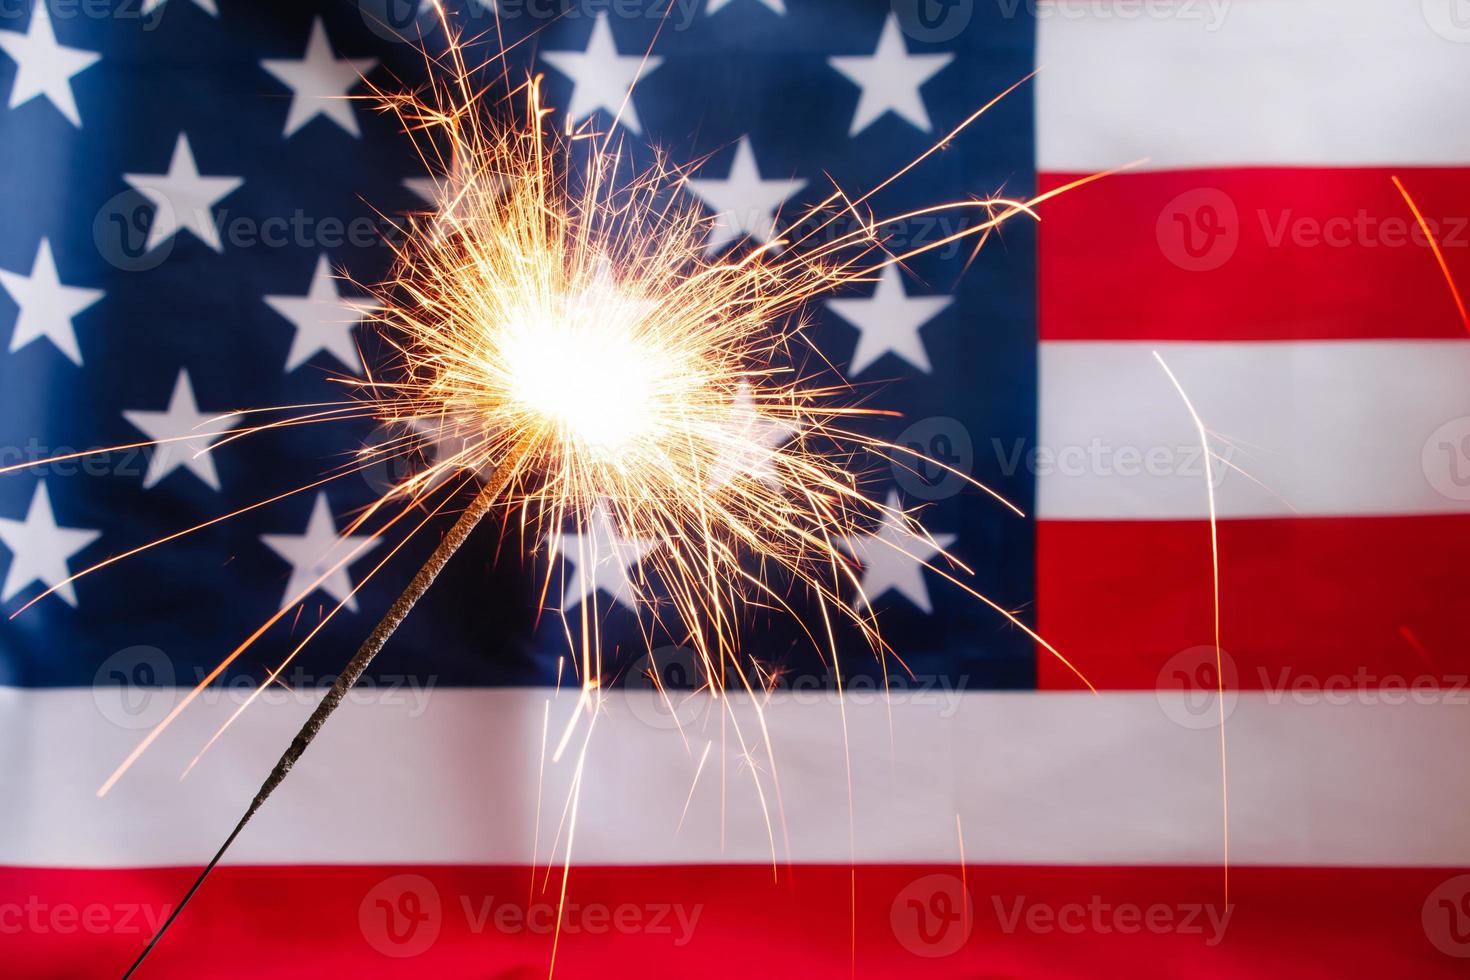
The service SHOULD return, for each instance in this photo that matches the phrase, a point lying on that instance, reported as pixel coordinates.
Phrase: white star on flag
(745, 203)
(601, 559)
(313, 553)
(890, 79)
(40, 550)
(319, 82)
(893, 559)
(323, 319)
(171, 428)
(46, 306)
(602, 78)
(753, 440)
(43, 67)
(889, 321)
(183, 199)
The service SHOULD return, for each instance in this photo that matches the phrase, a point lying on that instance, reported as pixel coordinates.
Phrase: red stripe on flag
(733, 921)
(1252, 254)
(1324, 605)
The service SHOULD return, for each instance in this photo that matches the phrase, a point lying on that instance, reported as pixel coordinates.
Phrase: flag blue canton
(128, 313)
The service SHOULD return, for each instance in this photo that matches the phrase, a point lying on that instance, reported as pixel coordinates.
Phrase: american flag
(185, 185)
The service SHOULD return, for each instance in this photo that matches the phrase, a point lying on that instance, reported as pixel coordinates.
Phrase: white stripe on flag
(1318, 429)
(451, 777)
(1216, 83)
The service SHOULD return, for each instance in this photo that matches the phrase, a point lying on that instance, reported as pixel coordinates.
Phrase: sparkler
(558, 316)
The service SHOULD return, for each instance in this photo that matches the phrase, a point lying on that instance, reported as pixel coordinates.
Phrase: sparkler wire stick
(392, 619)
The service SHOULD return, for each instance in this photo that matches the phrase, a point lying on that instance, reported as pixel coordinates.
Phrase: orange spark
(1444, 266)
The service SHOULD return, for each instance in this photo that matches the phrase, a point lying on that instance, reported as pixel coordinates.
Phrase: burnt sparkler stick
(370, 648)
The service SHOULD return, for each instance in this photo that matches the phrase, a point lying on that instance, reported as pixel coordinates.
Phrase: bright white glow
(589, 371)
